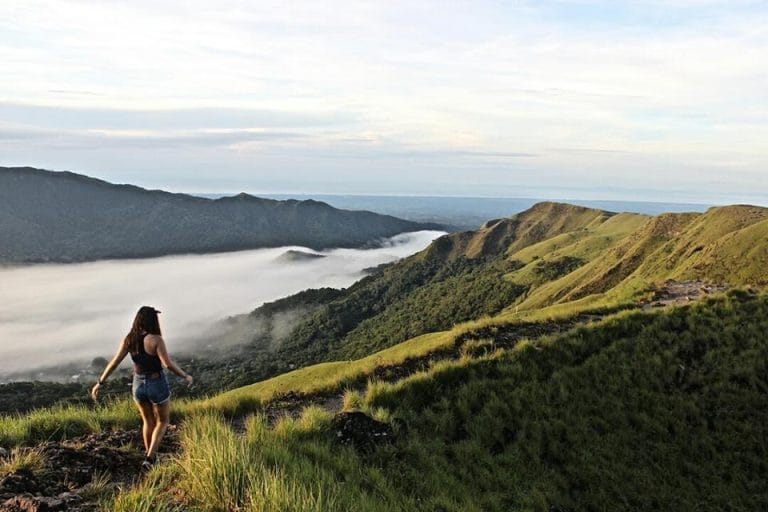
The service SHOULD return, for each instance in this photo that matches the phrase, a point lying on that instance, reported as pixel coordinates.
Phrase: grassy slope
(551, 254)
(662, 411)
(550, 260)
(458, 278)
(725, 245)
(332, 375)
(590, 245)
(648, 411)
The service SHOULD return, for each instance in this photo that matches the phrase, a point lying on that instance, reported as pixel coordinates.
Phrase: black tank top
(144, 363)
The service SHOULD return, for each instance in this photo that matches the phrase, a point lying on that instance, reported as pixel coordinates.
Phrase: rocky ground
(73, 475)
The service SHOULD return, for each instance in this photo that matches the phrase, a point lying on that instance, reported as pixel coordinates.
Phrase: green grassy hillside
(549, 260)
(643, 411)
(458, 278)
(549, 254)
(726, 245)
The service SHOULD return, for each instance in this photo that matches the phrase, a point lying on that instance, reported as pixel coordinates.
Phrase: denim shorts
(147, 389)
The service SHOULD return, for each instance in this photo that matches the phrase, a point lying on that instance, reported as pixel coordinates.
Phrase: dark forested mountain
(50, 216)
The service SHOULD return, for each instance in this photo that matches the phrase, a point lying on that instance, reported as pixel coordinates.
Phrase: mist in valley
(64, 316)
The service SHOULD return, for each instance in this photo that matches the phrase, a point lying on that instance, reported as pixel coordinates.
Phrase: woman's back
(145, 359)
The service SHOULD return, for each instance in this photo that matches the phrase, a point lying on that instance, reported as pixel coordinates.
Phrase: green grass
(148, 496)
(660, 411)
(292, 467)
(328, 376)
(21, 459)
(666, 410)
(63, 422)
(583, 243)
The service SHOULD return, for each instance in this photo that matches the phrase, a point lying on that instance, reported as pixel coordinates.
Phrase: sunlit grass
(267, 469)
(148, 496)
(328, 376)
(22, 459)
(485, 431)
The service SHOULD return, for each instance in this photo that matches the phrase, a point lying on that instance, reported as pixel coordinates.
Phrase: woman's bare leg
(148, 422)
(162, 414)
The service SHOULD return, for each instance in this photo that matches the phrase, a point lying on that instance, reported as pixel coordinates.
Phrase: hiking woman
(150, 385)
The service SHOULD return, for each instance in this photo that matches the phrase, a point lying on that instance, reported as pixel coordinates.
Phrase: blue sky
(646, 100)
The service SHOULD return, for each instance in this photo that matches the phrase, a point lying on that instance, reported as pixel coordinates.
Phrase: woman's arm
(120, 354)
(162, 353)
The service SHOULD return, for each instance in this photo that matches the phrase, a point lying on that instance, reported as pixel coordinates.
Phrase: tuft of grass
(352, 400)
(98, 489)
(22, 459)
(267, 469)
(274, 491)
(149, 496)
(214, 466)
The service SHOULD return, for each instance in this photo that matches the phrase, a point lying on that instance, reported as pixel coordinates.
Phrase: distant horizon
(267, 193)
(446, 196)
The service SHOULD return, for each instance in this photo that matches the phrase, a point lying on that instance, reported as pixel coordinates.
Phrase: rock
(360, 430)
(18, 482)
(70, 498)
(29, 503)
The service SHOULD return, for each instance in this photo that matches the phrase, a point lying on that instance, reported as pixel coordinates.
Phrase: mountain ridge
(51, 216)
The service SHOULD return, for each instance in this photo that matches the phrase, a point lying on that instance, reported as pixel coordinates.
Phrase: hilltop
(48, 216)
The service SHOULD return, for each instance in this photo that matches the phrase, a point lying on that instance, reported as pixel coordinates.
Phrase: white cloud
(56, 314)
(672, 88)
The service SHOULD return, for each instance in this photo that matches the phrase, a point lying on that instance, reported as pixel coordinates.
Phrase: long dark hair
(146, 322)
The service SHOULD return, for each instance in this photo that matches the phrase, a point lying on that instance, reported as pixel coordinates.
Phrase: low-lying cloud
(54, 315)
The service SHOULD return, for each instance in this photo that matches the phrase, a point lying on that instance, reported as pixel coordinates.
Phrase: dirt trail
(677, 293)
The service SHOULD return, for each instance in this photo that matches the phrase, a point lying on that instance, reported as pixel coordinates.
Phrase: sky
(646, 100)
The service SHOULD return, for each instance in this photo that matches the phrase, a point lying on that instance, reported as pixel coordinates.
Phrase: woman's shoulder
(153, 339)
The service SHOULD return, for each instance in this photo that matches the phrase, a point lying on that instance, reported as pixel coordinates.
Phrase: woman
(150, 384)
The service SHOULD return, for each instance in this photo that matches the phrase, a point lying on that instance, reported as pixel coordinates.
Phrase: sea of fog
(57, 314)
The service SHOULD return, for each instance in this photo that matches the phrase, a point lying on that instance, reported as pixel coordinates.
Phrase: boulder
(359, 430)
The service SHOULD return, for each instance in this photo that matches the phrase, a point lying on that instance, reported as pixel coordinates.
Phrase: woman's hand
(95, 391)
(189, 380)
